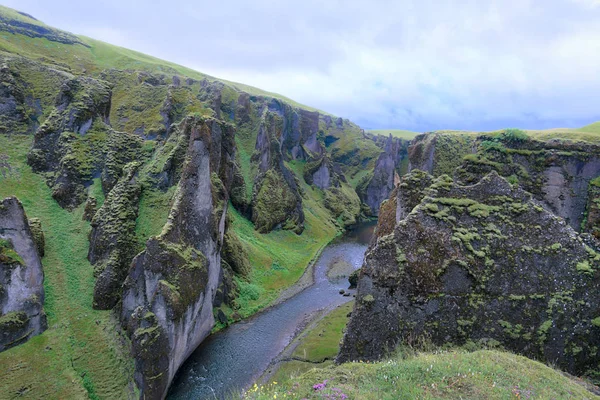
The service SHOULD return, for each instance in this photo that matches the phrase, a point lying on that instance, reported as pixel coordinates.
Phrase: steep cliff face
(556, 173)
(21, 277)
(276, 200)
(376, 188)
(440, 153)
(167, 304)
(17, 112)
(483, 263)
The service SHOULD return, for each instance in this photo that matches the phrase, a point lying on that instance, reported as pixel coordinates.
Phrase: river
(232, 359)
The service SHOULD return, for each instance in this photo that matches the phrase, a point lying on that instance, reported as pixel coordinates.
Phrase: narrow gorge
(168, 234)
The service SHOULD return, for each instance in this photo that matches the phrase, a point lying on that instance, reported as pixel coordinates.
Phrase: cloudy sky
(418, 65)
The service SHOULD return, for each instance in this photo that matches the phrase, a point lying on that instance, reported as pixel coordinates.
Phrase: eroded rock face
(21, 277)
(484, 263)
(112, 239)
(276, 199)
(75, 143)
(377, 188)
(439, 153)
(167, 304)
(558, 173)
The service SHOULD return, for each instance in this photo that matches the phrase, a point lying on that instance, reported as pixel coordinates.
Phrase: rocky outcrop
(56, 149)
(556, 173)
(440, 153)
(21, 277)
(167, 304)
(276, 200)
(14, 111)
(112, 239)
(485, 263)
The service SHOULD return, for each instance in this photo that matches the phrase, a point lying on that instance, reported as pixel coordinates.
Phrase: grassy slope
(483, 374)
(100, 55)
(81, 348)
(399, 133)
(589, 133)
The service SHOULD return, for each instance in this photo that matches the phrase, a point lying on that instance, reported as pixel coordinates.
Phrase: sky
(417, 65)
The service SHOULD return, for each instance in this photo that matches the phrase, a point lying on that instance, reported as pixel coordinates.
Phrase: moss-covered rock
(176, 278)
(235, 255)
(112, 239)
(21, 277)
(376, 187)
(344, 204)
(276, 199)
(478, 263)
(37, 233)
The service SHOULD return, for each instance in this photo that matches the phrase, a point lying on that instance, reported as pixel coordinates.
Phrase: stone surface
(377, 187)
(21, 277)
(169, 293)
(485, 263)
(112, 239)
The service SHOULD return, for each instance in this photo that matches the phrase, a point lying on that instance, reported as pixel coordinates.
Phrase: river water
(232, 359)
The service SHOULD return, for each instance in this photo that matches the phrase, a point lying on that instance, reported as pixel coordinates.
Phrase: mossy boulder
(235, 255)
(344, 204)
(480, 263)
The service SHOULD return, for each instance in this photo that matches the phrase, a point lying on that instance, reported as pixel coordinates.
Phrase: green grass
(398, 133)
(318, 346)
(153, 213)
(589, 133)
(323, 341)
(80, 354)
(280, 257)
(457, 374)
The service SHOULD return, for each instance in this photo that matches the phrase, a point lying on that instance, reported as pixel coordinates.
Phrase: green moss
(585, 267)
(13, 319)
(274, 203)
(450, 149)
(431, 207)
(543, 330)
(368, 299)
(7, 253)
(596, 322)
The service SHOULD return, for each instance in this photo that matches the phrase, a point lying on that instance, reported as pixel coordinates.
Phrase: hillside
(94, 144)
(482, 374)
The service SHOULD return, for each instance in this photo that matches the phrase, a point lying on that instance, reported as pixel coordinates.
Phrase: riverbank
(315, 347)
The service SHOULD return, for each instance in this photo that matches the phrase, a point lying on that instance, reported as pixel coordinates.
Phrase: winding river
(232, 359)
